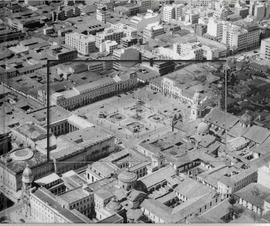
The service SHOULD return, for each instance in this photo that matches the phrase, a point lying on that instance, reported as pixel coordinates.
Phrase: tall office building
(241, 37)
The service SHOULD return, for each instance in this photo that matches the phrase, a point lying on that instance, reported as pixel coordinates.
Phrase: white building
(128, 30)
(215, 28)
(108, 46)
(236, 37)
(172, 12)
(265, 49)
(84, 44)
(109, 34)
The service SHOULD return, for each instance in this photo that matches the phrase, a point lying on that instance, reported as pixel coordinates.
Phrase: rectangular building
(84, 44)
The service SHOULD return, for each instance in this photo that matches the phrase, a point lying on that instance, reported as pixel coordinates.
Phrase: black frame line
(49, 62)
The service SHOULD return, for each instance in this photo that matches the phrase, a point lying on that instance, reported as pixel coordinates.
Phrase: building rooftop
(257, 134)
(158, 176)
(88, 136)
(191, 188)
(47, 197)
(17, 166)
(94, 85)
(47, 179)
(219, 118)
(74, 195)
(254, 193)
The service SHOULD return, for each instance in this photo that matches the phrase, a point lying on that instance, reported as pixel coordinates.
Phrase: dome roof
(246, 118)
(127, 176)
(113, 205)
(203, 127)
(27, 175)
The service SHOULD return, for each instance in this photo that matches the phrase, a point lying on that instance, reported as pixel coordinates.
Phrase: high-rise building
(84, 44)
(172, 12)
(168, 13)
(215, 28)
(265, 49)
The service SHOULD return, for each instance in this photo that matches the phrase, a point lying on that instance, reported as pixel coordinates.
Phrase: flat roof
(47, 179)
(74, 195)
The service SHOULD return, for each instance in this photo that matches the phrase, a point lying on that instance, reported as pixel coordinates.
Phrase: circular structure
(203, 128)
(135, 127)
(156, 117)
(246, 118)
(117, 117)
(22, 155)
(113, 205)
(127, 177)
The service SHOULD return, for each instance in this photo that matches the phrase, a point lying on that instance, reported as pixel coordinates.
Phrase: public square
(135, 115)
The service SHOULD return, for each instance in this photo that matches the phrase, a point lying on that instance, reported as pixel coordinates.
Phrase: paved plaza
(135, 115)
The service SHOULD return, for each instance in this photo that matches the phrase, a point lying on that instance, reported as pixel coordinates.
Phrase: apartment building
(265, 49)
(84, 44)
(109, 34)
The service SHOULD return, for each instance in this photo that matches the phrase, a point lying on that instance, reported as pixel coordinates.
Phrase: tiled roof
(158, 176)
(191, 188)
(254, 193)
(219, 118)
(257, 134)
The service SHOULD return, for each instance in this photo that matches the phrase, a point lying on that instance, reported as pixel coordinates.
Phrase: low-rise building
(108, 46)
(152, 30)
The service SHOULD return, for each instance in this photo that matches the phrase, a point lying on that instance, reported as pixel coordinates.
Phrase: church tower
(27, 179)
(195, 107)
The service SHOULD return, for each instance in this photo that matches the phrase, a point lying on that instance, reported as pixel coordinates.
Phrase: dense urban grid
(158, 111)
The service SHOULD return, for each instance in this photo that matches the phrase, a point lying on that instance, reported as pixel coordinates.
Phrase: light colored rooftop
(81, 37)
(47, 179)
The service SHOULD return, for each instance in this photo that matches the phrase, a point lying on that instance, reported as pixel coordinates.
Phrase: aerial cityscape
(135, 111)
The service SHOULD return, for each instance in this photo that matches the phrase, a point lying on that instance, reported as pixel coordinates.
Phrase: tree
(235, 211)
(232, 200)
